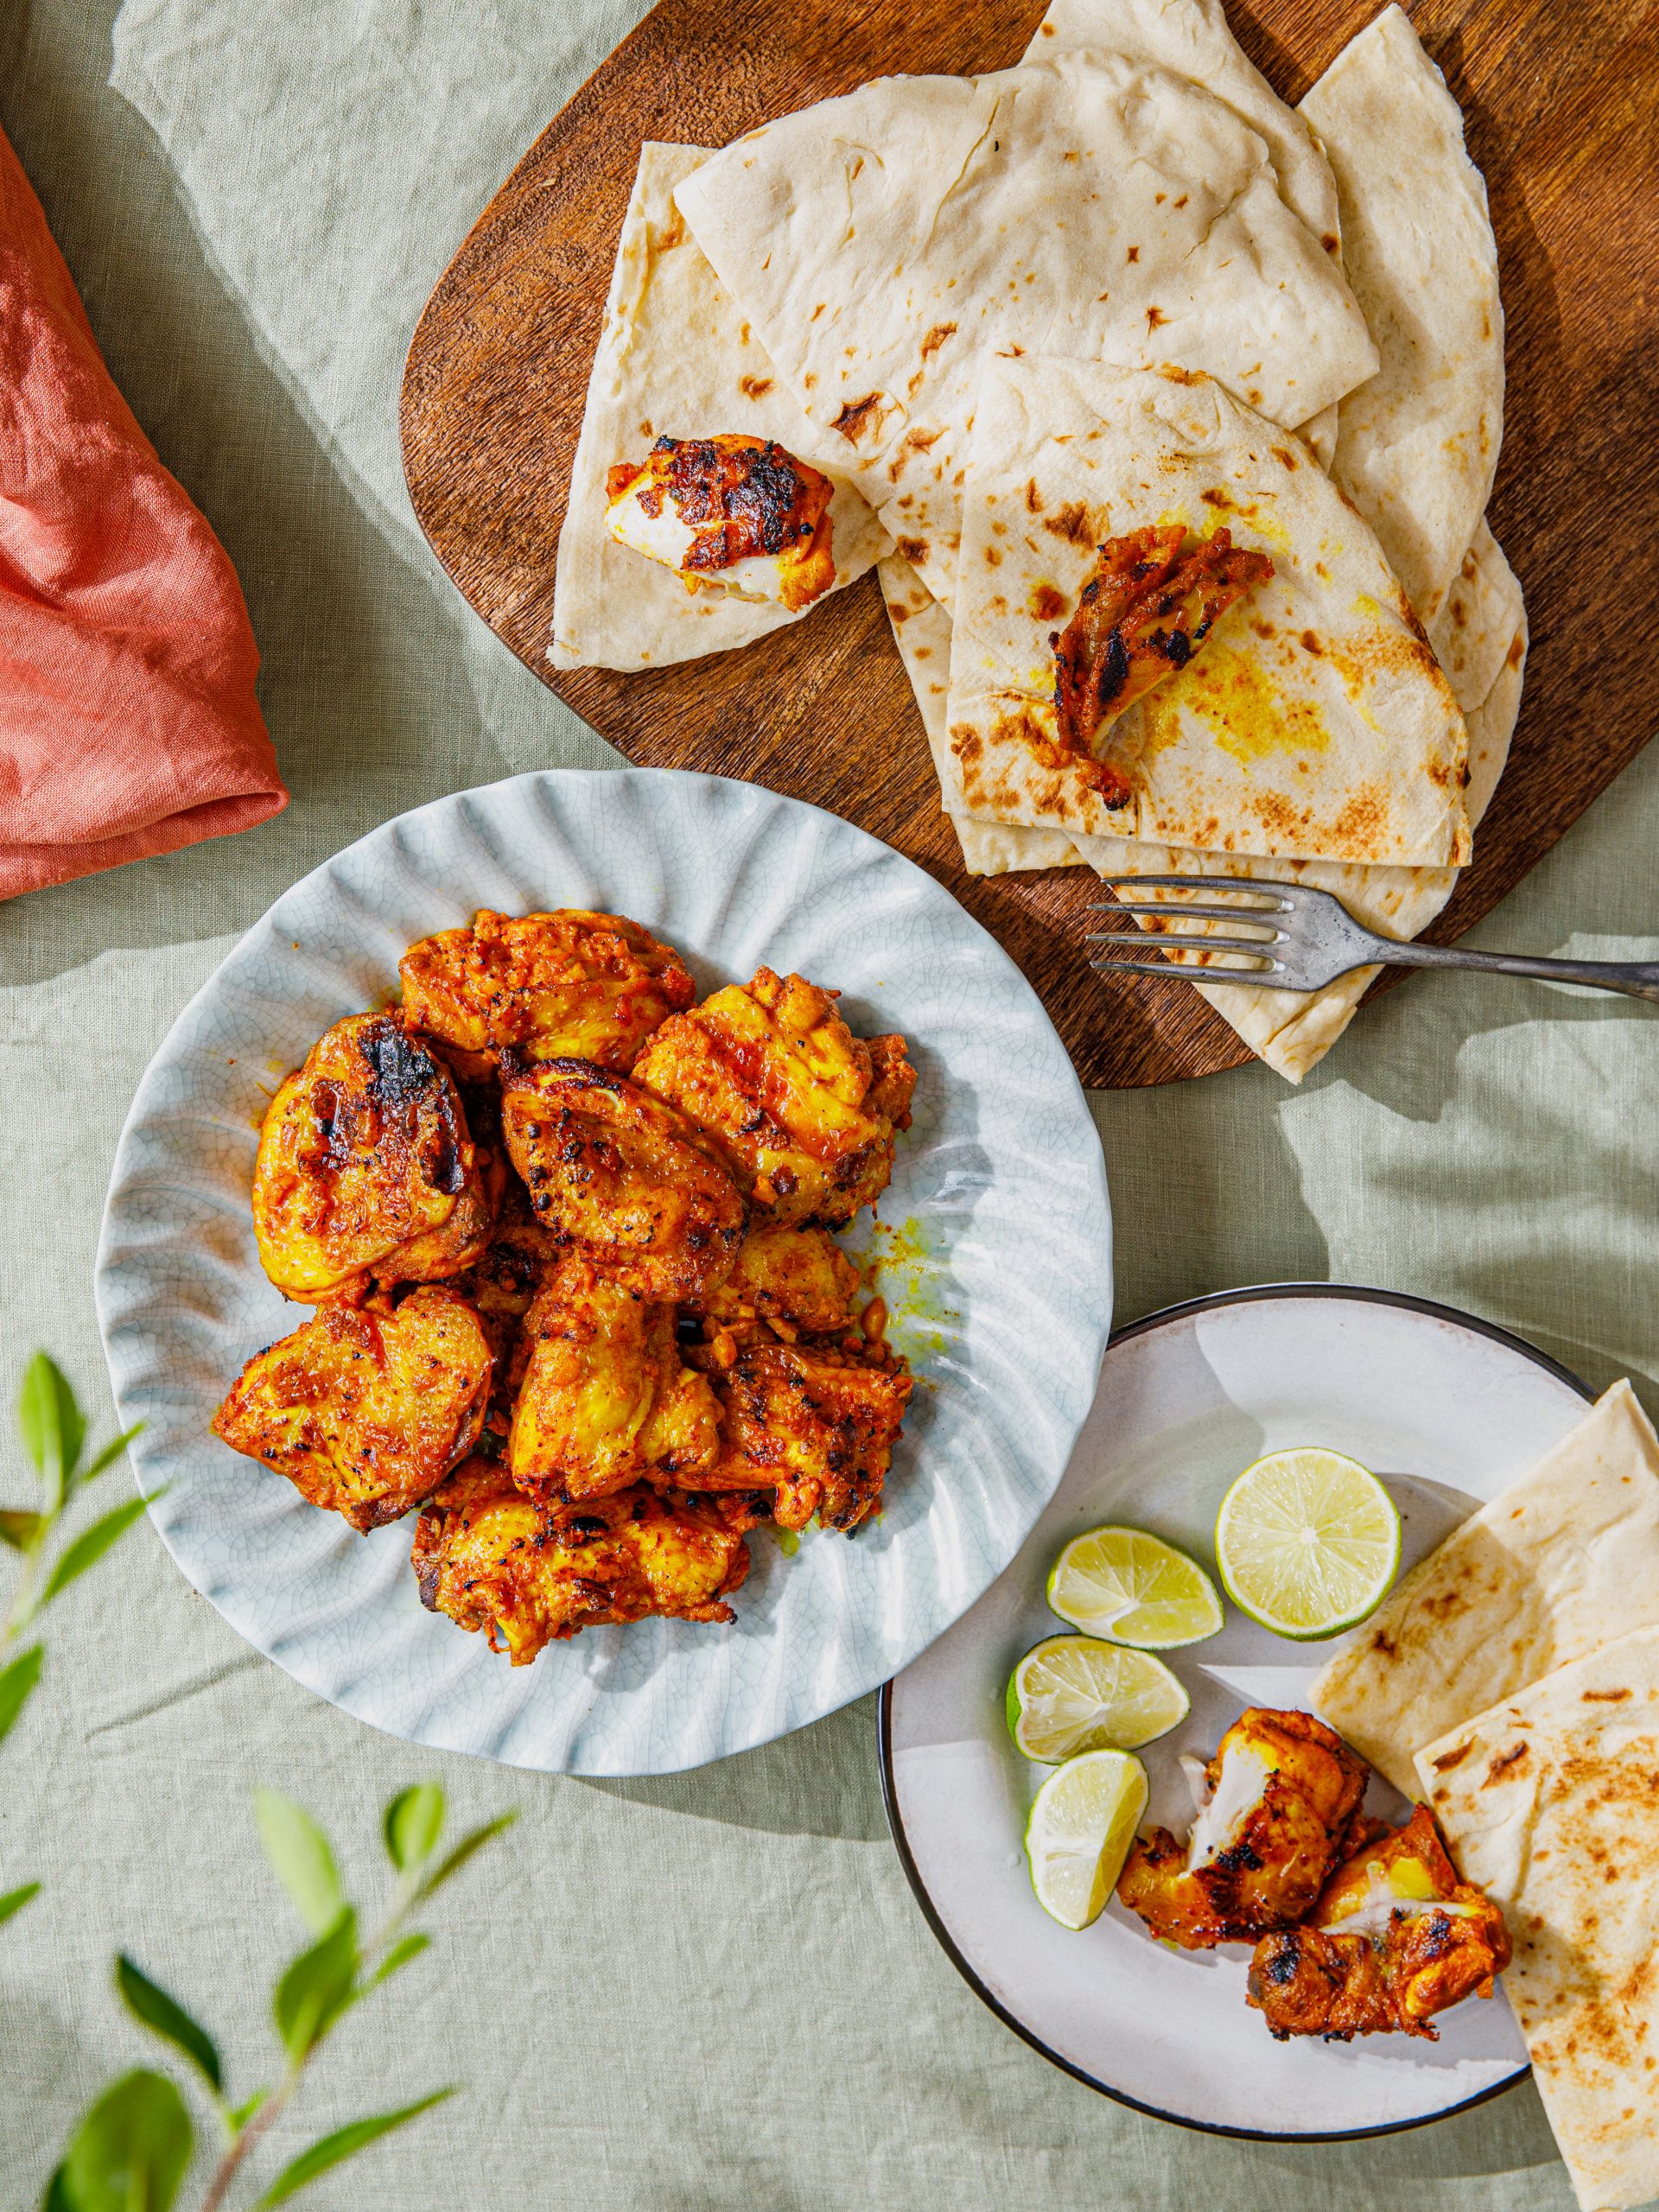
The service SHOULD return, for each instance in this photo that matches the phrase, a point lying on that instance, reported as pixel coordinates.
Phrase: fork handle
(1637, 979)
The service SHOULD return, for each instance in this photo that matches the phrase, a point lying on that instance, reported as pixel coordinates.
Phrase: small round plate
(993, 1254)
(1447, 1410)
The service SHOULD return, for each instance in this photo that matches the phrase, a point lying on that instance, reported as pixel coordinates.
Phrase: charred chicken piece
(812, 1424)
(528, 1574)
(1144, 611)
(366, 1170)
(622, 1179)
(1285, 1790)
(791, 1281)
(570, 984)
(501, 1287)
(366, 1408)
(728, 513)
(606, 1399)
(1394, 1939)
(807, 1111)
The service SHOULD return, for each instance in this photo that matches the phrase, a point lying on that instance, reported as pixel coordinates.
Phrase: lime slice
(1307, 1542)
(1082, 1824)
(1132, 1588)
(1074, 1694)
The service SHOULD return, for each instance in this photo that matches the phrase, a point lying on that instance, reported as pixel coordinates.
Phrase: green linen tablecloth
(712, 1991)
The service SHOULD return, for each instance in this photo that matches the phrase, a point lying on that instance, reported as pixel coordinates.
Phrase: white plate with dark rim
(1447, 1409)
(1000, 1282)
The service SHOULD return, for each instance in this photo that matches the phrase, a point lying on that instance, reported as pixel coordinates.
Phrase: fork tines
(1256, 950)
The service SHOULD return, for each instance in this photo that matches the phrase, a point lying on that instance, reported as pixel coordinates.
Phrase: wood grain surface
(1561, 100)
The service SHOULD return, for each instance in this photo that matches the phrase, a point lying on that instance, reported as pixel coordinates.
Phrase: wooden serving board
(1560, 98)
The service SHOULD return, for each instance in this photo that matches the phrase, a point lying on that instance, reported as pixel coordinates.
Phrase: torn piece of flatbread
(675, 359)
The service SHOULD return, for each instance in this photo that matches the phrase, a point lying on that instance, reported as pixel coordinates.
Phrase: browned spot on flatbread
(1605, 1697)
(914, 441)
(1047, 604)
(992, 557)
(856, 417)
(913, 550)
(1283, 454)
(1135, 253)
(1181, 202)
(936, 337)
(817, 310)
(1502, 1762)
(966, 743)
(1215, 497)
(1517, 650)
(755, 387)
(1331, 242)
(1447, 1760)
(1310, 643)
(1154, 316)
(899, 611)
(673, 235)
(645, 430)
(1360, 825)
(1033, 497)
(1071, 521)
(1383, 1642)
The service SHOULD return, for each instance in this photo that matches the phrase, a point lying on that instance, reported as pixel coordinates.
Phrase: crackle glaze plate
(1447, 1410)
(993, 1250)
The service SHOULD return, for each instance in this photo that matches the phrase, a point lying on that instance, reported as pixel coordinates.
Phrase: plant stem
(248, 2134)
(20, 1611)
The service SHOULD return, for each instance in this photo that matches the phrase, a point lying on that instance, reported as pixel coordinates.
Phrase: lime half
(1307, 1542)
(1082, 1824)
(1074, 1694)
(1129, 1587)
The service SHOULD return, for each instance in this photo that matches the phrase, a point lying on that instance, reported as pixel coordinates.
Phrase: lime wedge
(1074, 1694)
(1082, 1824)
(1132, 1588)
(1307, 1542)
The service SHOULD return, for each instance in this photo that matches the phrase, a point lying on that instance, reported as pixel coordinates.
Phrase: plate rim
(1165, 1317)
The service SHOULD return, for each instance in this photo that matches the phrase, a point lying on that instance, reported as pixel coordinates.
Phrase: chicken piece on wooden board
(528, 1574)
(1284, 1793)
(366, 1172)
(815, 1426)
(366, 1408)
(808, 1111)
(569, 984)
(731, 513)
(621, 1178)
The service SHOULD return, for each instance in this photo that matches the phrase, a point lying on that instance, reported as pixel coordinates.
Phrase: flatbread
(676, 357)
(1315, 721)
(885, 245)
(1417, 445)
(1550, 1804)
(1563, 1560)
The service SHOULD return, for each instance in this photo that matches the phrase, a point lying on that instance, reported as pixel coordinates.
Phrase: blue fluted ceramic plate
(995, 1244)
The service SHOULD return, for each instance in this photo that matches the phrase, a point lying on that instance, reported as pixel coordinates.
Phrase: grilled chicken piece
(1144, 612)
(366, 1170)
(728, 513)
(501, 1287)
(1394, 1939)
(606, 1399)
(1285, 1792)
(493, 1559)
(815, 1426)
(792, 1281)
(566, 985)
(807, 1111)
(622, 1179)
(366, 1408)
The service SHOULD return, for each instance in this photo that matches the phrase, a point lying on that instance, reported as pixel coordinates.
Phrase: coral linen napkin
(128, 723)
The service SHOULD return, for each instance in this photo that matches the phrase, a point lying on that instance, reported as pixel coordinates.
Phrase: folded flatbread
(1563, 1560)
(1314, 720)
(1417, 445)
(886, 245)
(1550, 1803)
(675, 357)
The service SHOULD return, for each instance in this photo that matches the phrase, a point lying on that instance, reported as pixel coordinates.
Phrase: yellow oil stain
(901, 1266)
(1230, 691)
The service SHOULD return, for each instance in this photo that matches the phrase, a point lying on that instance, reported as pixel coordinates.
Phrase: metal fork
(1305, 939)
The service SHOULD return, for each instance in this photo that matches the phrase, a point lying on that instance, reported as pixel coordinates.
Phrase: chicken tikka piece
(366, 1172)
(622, 1179)
(1285, 1796)
(567, 985)
(526, 1574)
(814, 1423)
(806, 1110)
(1393, 1938)
(792, 1281)
(366, 1408)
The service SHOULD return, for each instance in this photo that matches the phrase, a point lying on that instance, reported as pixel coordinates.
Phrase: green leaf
(398, 1957)
(344, 2142)
(110, 1452)
(298, 1850)
(129, 2152)
(462, 1852)
(52, 1425)
(56, 2198)
(414, 1822)
(19, 1530)
(15, 1900)
(90, 1547)
(239, 2116)
(168, 2017)
(318, 1988)
(17, 1681)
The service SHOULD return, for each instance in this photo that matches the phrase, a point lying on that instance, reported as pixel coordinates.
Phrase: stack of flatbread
(1122, 283)
(1512, 1682)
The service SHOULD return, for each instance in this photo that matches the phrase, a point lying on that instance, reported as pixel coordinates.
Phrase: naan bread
(1315, 721)
(885, 245)
(1550, 1804)
(1418, 444)
(676, 358)
(1563, 1560)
